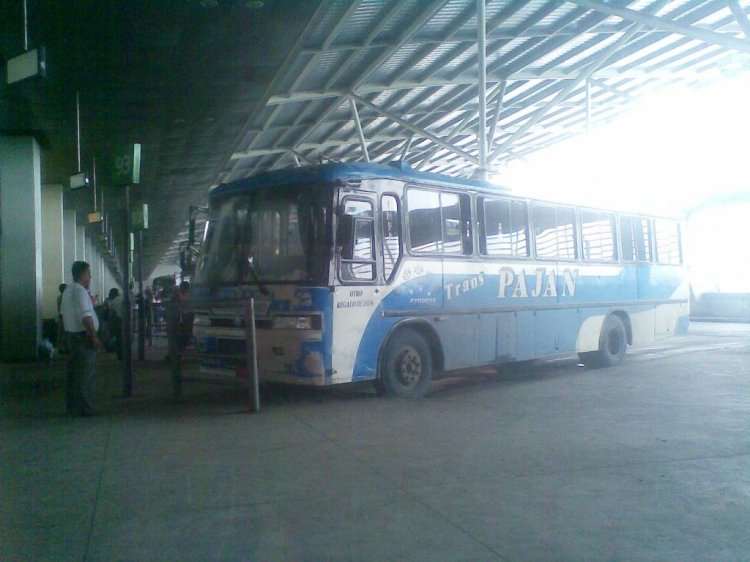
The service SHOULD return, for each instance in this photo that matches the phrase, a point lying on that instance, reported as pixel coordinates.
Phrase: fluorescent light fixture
(30, 63)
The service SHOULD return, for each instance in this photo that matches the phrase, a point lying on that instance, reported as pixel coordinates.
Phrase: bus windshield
(268, 236)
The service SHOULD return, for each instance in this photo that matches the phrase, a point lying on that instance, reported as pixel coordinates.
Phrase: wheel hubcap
(409, 366)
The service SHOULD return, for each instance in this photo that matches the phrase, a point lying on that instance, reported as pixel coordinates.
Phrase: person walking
(82, 341)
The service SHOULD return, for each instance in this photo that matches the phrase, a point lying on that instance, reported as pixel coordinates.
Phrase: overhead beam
(358, 125)
(471, 78)
(600, 59)
(384, 20)
(498, 108)
(610, 89)
(419, 131)
(332, 34)
(431, 9)
(542, 31)
(740, 16)
(657, 22)
(459, 127)
(321, 11)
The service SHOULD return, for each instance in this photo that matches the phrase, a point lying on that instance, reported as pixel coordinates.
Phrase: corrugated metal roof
(412, 67)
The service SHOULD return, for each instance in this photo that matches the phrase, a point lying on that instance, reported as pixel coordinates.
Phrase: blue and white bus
(379, 272)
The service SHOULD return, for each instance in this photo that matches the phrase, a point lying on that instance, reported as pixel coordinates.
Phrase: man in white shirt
(81, 327)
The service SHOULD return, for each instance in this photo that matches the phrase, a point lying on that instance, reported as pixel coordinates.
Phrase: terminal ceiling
(217, 90)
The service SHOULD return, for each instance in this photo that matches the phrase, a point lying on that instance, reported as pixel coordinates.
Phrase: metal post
(251, 356)
(407, 146)
(360, 132)
(482, 68)
(416, 130)
(496, 116)
(142, 305)
(78, 130)
(93, 181)
(127, 355)
(26, 29)
(588, 106)
(173, 342)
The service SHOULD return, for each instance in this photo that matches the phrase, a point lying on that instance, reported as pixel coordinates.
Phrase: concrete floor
(646, 461)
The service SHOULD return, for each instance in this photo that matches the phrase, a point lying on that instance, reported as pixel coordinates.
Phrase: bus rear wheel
(613, 341)
(406, 367)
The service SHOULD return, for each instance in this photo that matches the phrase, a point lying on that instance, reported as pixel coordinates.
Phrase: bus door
(356, 283)
(635, 241)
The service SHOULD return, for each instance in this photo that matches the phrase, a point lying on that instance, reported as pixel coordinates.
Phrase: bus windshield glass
(268, 236)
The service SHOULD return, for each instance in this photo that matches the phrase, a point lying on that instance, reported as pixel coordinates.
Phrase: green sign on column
(126, 168)
(139, 217)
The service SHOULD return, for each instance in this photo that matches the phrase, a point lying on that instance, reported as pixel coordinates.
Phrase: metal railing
(179, 329)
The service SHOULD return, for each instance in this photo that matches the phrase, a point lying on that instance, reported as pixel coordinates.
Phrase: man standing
(82, 341)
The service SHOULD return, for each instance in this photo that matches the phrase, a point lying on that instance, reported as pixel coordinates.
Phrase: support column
(69, 243)
(80, 242)
(20, 248)
(482, 71)
(53, 271)
(89, 252)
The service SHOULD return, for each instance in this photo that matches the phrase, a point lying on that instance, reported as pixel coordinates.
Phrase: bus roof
(329, 173)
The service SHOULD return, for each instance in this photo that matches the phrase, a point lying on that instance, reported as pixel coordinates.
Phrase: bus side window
(391, 222)
(555, 232)
(504, 226)
(598, 236)
(635, 238)
(667, 239)
(452, 227)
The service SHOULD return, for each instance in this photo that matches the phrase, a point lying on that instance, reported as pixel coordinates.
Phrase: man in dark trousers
(82, 341)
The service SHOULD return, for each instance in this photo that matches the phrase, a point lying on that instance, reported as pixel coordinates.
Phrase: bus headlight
(296, 323)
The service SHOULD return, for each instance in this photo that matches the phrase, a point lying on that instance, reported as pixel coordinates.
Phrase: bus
(379, 272)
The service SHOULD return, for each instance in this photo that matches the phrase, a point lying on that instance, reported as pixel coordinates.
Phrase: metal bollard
(251, 356)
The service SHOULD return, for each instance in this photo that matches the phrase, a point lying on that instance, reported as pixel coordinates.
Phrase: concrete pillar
(53, 270)
(69, 242)
(80, 241)
(20, 248)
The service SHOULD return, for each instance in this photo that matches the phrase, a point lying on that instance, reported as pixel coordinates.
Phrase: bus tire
(613, 341)
(406, 367)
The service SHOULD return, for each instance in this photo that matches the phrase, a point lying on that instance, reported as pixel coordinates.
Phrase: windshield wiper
(251, 266)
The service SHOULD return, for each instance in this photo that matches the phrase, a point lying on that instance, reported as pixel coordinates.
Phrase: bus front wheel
(612, 343)
(406, 367)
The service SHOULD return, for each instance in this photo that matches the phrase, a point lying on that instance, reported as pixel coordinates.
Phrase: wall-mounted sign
(79, 180)
(31, 63)
(127, 165)
(139, 217)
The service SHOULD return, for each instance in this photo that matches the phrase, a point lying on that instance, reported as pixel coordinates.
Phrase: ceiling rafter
(656, 22)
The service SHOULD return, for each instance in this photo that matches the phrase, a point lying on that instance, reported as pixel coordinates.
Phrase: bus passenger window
(391, 222)
(554, 229)
(598, 236)
(438, 222)
(451, 223)
(667, 238)
(635, 237)
(505, 228)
